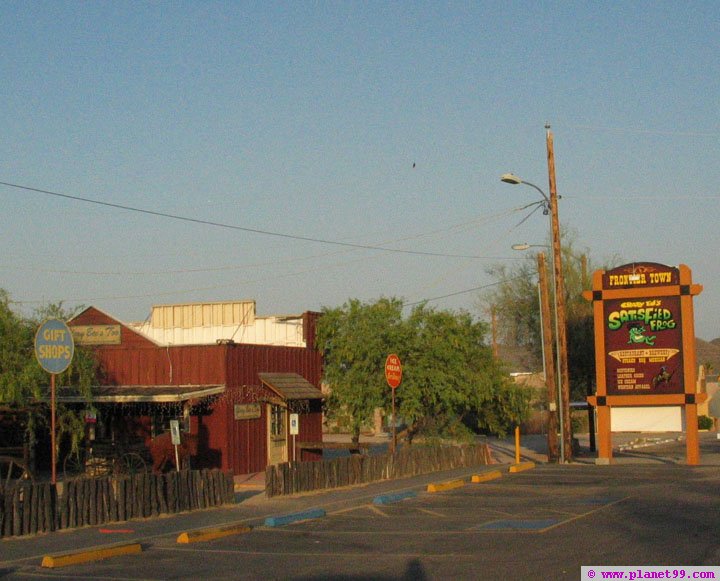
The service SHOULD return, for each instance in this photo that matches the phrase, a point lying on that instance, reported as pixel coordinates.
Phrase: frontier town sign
(645, 345)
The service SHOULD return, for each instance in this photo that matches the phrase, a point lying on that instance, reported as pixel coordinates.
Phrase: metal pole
(53, 453)
(394, 432)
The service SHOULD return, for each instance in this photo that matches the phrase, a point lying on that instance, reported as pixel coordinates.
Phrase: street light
(547, 351)
(550, 206)
(525, 246)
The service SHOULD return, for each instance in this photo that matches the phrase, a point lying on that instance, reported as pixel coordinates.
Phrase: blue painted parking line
(394, 497)
(278, 521)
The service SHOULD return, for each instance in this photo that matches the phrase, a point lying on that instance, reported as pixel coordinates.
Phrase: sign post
(54, 350)
(393, 376)
(176, 440)
(294, 429)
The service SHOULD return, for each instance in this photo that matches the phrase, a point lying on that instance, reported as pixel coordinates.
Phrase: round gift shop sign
(54, 346)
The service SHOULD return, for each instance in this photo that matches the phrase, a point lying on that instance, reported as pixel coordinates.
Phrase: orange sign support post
(645, 346)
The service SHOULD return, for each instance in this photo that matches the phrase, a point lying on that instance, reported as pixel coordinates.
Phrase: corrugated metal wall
(249, 437)
(192, 315)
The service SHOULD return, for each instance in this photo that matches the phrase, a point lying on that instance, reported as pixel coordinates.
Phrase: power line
(643, 131)
(462, 292)
(240, 228)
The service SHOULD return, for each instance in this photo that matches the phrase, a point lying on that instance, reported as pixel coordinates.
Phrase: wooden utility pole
(561, 319)
(494, 332)
(590, 390)
(552, 423)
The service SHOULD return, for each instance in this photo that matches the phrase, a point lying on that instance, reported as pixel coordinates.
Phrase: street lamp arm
(510, 178)
(539, 190)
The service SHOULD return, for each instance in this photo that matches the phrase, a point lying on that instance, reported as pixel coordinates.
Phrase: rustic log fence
(295, 477)
(28, 508)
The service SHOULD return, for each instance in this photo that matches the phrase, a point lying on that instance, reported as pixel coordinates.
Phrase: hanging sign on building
(96, 334)
(247, 411)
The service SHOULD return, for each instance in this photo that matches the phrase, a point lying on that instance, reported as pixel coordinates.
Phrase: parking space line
(315, 554)
(347, 510)
(377, 511)
(431, 512)
(588, 513)
(563, 512)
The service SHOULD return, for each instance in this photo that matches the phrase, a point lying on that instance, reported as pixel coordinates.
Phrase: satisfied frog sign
(643, 346)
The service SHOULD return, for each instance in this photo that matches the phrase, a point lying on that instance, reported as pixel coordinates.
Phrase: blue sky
(306, 118)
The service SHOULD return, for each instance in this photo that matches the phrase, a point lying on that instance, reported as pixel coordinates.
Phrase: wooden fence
(27, 508)
(294, 477)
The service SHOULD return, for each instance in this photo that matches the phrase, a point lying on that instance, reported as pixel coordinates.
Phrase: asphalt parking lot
(542, 523)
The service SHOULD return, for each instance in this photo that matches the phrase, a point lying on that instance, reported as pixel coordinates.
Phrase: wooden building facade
(234, 399)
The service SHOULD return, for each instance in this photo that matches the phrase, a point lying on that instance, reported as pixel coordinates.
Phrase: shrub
(705, 423)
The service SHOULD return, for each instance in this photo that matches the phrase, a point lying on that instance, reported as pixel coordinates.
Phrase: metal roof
(290, 386)
(140, 393)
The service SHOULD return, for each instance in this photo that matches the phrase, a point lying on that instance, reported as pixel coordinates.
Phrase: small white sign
(175, 432)
(294, 424)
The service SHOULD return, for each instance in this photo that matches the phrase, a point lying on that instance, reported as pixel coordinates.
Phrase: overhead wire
(234, 227)
(351, 247)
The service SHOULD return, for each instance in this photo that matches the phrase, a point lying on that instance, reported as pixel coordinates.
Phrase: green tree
(516, 303)
(21, 377)
(450, 378)
(356, 339)
(25, 385)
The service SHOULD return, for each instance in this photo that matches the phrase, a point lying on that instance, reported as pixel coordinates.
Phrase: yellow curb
(522, 466)
(449, 485)
(210, 534)
(487, 476)
(51, 561)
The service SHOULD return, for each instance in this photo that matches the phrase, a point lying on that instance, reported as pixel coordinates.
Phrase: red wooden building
(235, 398)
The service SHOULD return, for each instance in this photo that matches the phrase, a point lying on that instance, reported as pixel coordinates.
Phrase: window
(277, 421)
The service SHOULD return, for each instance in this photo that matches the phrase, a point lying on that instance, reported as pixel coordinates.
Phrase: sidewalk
(628, 448)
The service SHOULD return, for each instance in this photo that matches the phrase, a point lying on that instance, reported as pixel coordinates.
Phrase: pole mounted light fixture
(511, 178)
(525, 246)
(550, 207)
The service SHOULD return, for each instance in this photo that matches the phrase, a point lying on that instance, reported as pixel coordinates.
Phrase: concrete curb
(521, 467)
(278, 521)
(486, 476)
(448, 485)
(212, 533)
(394, 497)
(85, 556)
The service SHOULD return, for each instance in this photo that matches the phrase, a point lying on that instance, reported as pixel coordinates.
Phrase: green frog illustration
(637, 336)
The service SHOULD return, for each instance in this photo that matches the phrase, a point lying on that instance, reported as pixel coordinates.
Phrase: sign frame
(668, 292)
